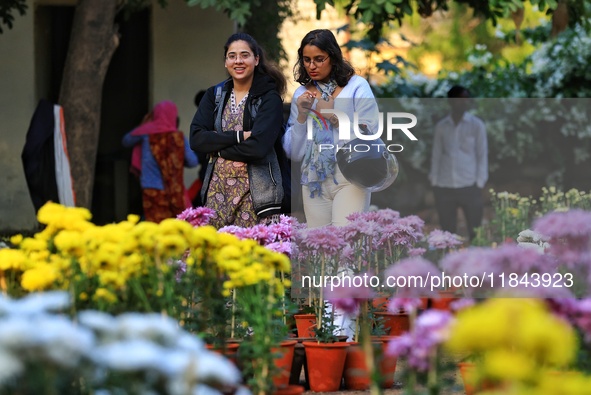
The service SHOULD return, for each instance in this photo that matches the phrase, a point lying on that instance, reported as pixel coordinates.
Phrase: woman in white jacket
(328, 82)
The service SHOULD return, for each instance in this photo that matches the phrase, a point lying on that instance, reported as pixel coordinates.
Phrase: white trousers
(336, 202)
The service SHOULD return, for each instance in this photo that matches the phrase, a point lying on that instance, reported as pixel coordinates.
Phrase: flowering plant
(421, 348)
(255, 277)
(97, 353)
(518, 342)
(354, 301)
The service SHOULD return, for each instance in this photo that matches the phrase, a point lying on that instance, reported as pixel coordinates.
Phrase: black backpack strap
(218, 93)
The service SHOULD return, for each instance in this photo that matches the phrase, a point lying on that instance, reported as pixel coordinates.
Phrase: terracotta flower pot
(305, 324)
(387, 363)
(284, 362)
(394, 324)
(444, 300)
(289, 390)
(468, 371)
(380, 304)
(355, 373)
(326, 362)
(230, 351)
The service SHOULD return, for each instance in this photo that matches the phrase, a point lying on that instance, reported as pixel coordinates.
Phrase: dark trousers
(469, 199)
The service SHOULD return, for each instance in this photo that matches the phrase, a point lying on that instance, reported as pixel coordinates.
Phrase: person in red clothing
(160, 151)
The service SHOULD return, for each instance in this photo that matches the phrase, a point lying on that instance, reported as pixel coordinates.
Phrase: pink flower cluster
(489, 264)
(276, 236)
(431, 328)
(348, 298)
(197, 216)
(569, 236)
(575, 311)
(384, 227)
(441, 239)
(411, 275)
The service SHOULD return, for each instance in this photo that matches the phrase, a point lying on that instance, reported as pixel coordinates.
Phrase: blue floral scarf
(318, 164)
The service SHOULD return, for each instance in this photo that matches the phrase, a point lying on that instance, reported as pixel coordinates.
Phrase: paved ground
(457, 388)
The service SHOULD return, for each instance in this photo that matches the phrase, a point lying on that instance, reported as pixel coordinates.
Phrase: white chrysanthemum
(175, 363)
(212, 367)
(128, 355)
(35, 303)
(62, 341)
(242, 390)
(202, 389)
(17, 333)
(189, 342)
(530, 236)
(98, 321)
(149, 326)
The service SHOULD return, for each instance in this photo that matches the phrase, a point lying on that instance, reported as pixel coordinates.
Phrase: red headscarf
(164, 120)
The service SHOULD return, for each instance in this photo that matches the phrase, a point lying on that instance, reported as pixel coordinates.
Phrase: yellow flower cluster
(99, 261)
(553, 199)
(248, 263)
(515, 341)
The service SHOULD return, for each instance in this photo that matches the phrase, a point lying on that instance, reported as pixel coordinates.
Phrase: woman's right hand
(304, 103)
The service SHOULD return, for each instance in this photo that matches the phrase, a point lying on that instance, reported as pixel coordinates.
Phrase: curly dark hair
(342, 71)
(265, 66)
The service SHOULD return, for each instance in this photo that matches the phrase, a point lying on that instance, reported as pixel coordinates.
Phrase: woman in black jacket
(237, 124)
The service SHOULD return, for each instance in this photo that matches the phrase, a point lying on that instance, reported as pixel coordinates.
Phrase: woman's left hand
(325, 105)
(328, 105)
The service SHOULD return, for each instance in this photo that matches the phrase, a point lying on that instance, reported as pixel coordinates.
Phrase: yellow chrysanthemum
(40, 278)
(33, 244)
(12, 259)
(133, 218)
(112, 278)
(104, 295)
(16, 239)
(564, 383)
(505, 365)
(171, 245)
(69, 242)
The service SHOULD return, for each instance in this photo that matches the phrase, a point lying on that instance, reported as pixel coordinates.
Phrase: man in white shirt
(459, 164)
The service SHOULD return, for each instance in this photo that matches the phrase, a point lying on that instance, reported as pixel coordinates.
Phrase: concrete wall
(17, 103)
(187, 45)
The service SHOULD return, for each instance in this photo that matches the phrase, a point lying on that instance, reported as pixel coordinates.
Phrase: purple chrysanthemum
(430, 330)
(569, 235)
(411, 277)
(441, 239)
(197, 216)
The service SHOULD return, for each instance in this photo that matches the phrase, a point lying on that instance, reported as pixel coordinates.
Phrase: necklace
(234, 108)
(326, 89)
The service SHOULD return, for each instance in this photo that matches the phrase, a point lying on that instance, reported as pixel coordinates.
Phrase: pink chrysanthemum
(570, 236)
(430, 330)
(350, 293)
(412, 277)
(441, 239)
(197, 216)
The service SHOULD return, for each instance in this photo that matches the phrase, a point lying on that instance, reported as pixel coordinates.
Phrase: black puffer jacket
(257, 151)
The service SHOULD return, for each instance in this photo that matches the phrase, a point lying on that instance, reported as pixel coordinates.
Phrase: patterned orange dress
(229, 189)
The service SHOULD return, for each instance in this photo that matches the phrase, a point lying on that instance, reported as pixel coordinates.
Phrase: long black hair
(341, 71)
(265, 66)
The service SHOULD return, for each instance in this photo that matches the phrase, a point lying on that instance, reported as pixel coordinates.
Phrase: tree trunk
(93, 41)
(559, 18)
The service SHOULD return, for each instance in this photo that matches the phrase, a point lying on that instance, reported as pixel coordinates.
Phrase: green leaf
(389, 8)
(388, 67)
